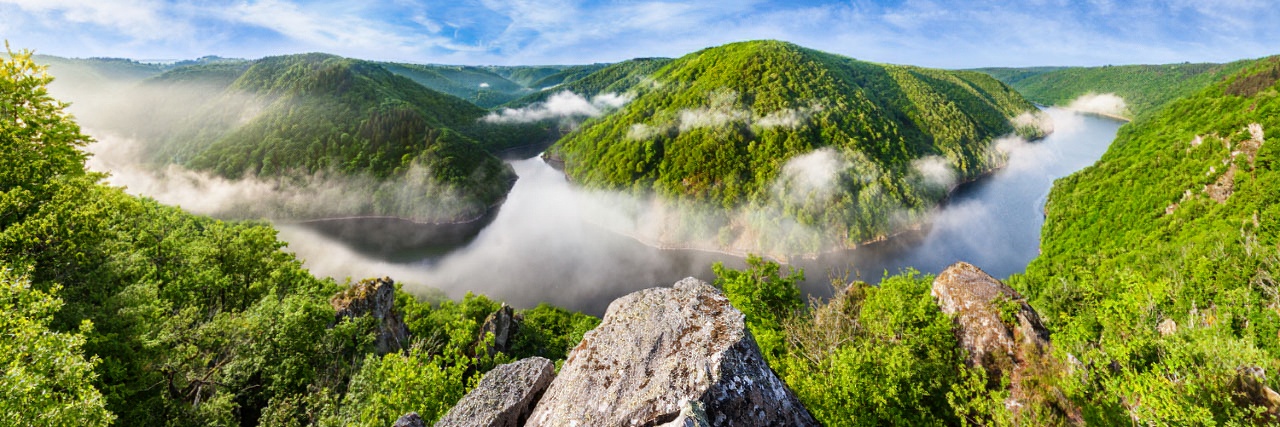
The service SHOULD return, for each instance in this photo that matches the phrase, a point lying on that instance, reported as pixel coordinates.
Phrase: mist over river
(544, 244)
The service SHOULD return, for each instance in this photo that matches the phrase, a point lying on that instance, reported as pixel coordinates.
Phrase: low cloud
(815, 172)
(320, 195)
(936, 171)
(562, 105)
(724, 109)
(1099, 103)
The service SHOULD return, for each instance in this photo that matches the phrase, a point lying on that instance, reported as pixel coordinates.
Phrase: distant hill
(858, 149)
(613, 78)
(1144, 88)
(481, 86)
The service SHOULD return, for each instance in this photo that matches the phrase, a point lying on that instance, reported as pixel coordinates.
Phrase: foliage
(395, 384)
(1157, 263)
(713, 130)
(765, 297)
(47, 381)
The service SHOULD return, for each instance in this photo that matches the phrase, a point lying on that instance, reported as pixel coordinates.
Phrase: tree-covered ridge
(1145, 88)
(565, 75)
(299, 116)
(616, 78)
(118, 308)
(527, 75)
(1158, 264)
(481, 86)
(720, 125)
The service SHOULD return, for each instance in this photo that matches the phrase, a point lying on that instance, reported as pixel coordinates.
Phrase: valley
(743, 233)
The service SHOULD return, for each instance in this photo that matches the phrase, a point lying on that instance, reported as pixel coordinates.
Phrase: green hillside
(716, 128)
(1144, 88)
(1158, 264)
(566, 75)
(298, 116)
(527, 75)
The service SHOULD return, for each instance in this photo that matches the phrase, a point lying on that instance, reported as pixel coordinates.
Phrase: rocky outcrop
(663, 352)
(504, 397)
(993, 321)
(377, 298)
(1004, 335)
(1251, 391)
(503, 324)
(411, 419)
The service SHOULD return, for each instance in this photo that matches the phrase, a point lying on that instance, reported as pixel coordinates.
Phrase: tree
(47, 381)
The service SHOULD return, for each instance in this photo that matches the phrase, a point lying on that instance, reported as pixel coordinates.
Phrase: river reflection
(543, 247)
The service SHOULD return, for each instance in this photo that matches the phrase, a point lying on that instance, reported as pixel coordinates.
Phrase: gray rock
(662, 352)
(978, 302)
(377, 298)
(410, 420)
(503, 325)
(504, 397)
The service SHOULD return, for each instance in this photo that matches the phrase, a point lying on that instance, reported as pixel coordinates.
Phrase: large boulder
(663, 352)
(992, 319)
(504, 397)
(377, 298)
(411, 419)
(1005, 336)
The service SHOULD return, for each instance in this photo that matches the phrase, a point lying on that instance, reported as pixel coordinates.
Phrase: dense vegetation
(1144, 88)
(119, 309)
(1157, 263)
(717, 128)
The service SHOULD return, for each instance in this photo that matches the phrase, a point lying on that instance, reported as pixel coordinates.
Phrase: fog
(551, 241)
(563, 105)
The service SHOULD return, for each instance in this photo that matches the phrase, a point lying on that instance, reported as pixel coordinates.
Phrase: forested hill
(298, 116)
(1144, 88)
(1158, 264)
(717, 127)
(613, 78)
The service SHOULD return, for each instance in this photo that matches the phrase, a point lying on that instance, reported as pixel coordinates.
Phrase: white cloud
(936, 170)
(141, 19)
(562, 105)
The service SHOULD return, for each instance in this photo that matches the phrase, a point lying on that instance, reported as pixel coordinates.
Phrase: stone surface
(504, 326)
(410, 420)
(659, 350)
(1251, 390)
(377, 298)
(977, 302)
(1004, 335)
(504, 397)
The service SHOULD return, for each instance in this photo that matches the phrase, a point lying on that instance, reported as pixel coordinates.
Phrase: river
(543, 244)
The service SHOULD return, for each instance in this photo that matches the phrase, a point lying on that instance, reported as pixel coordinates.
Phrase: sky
(937, 33)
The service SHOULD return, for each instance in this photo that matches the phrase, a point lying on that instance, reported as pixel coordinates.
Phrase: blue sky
(938, 33)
